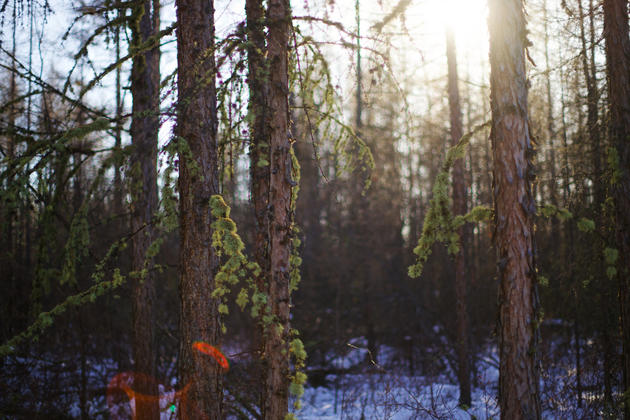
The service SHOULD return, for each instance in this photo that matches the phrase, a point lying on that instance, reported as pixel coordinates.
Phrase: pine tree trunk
(8, 204)
(362, 268)
(259, 161)
(145, 124)
(592, 111)
(459, 207)
(198, 181)
(118, 187)
(514, 213)
(276, 348)
(618, 65)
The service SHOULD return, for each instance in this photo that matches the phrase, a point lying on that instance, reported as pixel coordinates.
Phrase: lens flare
(212, 351)
(121, 386)
(123, 401)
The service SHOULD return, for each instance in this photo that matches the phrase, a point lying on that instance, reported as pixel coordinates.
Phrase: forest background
(377, 93)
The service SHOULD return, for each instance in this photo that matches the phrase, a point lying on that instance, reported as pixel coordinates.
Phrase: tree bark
(198, 181)
(459, 207)
(145, 124)
(259, 162)
(514, 212)
(118, 187)
(276, 346)
(618, 65)
(8, 205)
(592, 117)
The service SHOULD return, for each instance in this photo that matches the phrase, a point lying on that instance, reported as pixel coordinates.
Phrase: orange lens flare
(123, 401)
(122, 384)
(212, 351)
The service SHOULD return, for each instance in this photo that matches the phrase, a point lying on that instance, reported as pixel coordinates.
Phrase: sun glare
(467, 19)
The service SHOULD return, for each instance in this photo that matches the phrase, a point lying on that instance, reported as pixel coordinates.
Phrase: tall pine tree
(198, 180)
(514, 212)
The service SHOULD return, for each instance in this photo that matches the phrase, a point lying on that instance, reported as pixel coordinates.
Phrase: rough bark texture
(259, 160)
(259, 153)
(618, 69)
(145, 80)
(514, 212)
(198, 181)
(276, 348)
(459, 207)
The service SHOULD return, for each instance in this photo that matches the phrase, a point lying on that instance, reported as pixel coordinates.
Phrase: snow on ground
(382, 393)
(389, 396)
(355, 388)
(387, 391)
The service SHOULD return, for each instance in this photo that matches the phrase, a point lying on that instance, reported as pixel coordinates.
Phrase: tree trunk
(276, 347)
(259, 161)
(459, 207)
(514, 212)
(198, 181)
(592, 111)
(359, 226)
(145, 124)
(551, 132)
(8, 204)
(118, 187)
(618, 65)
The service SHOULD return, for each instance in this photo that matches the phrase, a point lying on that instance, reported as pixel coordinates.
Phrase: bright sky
(419, 41)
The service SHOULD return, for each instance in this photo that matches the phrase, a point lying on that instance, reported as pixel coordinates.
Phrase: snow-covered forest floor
(388, 391)
(355, 388)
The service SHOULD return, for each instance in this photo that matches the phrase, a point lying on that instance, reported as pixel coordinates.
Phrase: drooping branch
(398, 10)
